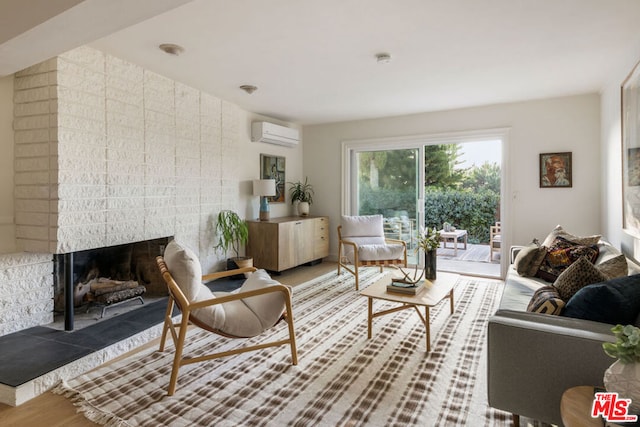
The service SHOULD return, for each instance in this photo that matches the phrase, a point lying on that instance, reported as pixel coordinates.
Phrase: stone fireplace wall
(108, 153)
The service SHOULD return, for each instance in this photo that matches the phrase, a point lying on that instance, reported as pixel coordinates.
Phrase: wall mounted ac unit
(274, 134)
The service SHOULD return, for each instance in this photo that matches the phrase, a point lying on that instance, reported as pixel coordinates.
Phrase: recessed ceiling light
(171, 49)
(383, 58)
(248, 88)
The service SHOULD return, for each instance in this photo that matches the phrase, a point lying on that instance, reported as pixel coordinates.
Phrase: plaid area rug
(342, 378)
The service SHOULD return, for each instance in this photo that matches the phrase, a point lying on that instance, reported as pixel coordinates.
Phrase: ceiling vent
(274, 134)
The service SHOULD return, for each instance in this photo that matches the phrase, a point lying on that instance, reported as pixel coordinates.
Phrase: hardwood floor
(53, 410)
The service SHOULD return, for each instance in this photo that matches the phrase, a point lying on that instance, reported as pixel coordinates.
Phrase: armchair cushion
(362, 226)
(185, 269)
(267, 308)
(241, 318)
(373, 249)
(381, 252)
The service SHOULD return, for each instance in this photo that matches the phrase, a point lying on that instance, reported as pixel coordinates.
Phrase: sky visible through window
(478, 153)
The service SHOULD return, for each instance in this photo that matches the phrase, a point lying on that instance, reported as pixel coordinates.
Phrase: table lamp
(264, 188)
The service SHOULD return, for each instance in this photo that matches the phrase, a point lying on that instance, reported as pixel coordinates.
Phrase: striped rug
(342, 379)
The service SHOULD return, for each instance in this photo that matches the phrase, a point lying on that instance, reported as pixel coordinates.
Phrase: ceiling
(314, 61)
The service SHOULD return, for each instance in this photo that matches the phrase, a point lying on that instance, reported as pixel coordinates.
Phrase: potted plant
(623, 376)
(428, 240)
(303, 194)
(232, 232)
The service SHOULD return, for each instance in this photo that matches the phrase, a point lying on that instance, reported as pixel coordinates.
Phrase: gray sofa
(533, 358)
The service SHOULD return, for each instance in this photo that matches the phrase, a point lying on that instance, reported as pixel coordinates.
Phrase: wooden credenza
(286, 242)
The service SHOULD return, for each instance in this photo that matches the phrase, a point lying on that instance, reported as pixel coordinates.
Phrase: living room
(585, 122)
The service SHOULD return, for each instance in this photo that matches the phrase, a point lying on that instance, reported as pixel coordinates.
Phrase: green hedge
(474, 212)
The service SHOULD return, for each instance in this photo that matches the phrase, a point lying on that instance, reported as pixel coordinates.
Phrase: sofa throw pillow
(614, 267)
(546, 300)
(578, 275)
(616, 301)
(580, 240)
(561, 254)
(529, 259)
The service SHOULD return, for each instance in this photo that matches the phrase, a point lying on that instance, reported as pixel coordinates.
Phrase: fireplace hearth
(106, 277)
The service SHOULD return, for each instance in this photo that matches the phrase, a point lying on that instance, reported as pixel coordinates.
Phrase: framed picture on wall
(555, 170)
(273, 167)
(630, 97)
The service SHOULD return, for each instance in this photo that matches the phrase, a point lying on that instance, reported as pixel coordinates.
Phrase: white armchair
(361, 243)
(258, 305)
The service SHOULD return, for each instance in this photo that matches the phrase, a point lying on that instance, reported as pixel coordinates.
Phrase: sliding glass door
(387, 184)
(432, 180)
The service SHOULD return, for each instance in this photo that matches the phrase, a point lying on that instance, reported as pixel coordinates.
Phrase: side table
(575, 407)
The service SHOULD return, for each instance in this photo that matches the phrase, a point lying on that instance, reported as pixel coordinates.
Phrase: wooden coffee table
(431, 294)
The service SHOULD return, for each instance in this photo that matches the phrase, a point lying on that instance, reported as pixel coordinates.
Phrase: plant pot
(303, 208)
(624, 379)
(239, 262)
(430, 258)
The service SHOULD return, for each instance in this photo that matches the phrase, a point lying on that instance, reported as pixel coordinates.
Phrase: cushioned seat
(361, 243)
(258, 305)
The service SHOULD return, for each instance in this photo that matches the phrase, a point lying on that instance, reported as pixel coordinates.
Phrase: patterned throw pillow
(578, 275)
(529, 259)
(614, 267)
(580, 240)
(561, 254)
(546, 300)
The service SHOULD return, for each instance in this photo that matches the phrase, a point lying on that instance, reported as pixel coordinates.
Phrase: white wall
(7, 229)
(550, 125)
(611, 151)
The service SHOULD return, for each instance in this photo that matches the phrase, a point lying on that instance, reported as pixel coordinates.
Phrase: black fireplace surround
(127, 262)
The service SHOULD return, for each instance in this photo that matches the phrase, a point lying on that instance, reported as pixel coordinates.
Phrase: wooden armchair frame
(179, 330)
(343, 262)
(495, 240)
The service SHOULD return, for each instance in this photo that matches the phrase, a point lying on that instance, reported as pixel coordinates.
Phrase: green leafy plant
(302, 192)
(428, 239)
(627, 345)
(232, 232)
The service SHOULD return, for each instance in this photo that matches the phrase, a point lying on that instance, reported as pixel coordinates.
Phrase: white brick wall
(108, 153)
(26, 291)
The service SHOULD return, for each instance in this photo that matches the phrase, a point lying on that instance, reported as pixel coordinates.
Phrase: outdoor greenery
(466, 198)
(471, 211)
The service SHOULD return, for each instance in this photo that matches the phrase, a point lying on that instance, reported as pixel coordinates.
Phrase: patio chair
(257, 306)
(495, 239)
(361, 243)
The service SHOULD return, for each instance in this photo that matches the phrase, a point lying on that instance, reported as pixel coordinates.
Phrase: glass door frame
(350, 148)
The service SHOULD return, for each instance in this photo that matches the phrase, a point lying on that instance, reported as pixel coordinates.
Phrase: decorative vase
(430, 264)
(624, 379)
(303, 208)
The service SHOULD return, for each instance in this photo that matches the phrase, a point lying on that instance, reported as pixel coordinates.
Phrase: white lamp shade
(264, 187)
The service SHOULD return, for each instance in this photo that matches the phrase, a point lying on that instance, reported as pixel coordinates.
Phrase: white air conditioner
(274, 134)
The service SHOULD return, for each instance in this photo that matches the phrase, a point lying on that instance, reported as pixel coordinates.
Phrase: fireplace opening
(89, 285)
